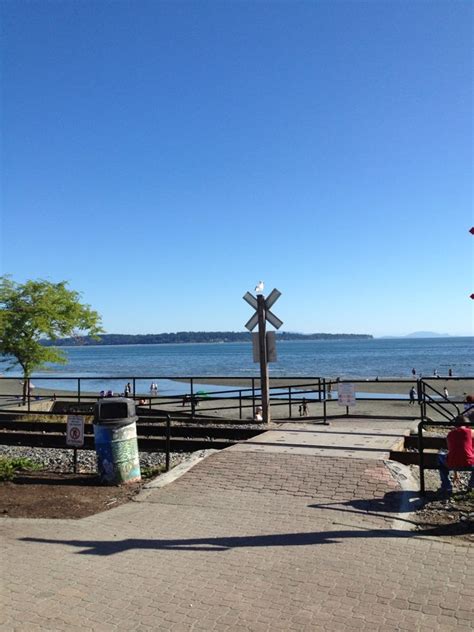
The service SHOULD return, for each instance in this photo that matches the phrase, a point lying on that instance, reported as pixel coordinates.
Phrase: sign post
(262, 345)
(261, 316)
(75, 435)
(346, 395)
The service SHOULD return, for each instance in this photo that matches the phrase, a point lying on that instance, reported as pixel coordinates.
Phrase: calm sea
(315, 358)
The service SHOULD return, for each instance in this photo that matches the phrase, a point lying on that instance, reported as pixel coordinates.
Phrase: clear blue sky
(163, 157)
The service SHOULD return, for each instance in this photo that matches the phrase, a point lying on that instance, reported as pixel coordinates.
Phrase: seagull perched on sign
(259, 287)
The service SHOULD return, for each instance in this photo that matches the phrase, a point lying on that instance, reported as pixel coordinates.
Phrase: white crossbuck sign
(269, 301)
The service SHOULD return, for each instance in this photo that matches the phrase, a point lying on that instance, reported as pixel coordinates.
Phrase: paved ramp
(358, 438)
(246, 540)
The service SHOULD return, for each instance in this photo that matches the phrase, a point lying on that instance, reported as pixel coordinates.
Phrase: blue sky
(163, 157)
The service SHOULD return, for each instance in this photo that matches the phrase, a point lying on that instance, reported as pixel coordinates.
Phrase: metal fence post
(168, 442)
(253, 398)
(78, 390)
(324, 400)
(420, 397)
(75, 460)
(421, 457)
(289, 400)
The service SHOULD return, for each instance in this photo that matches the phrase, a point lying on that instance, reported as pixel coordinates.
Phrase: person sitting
(469, 406)
(460, 454)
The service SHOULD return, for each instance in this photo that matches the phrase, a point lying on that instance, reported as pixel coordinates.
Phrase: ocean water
(310, 358)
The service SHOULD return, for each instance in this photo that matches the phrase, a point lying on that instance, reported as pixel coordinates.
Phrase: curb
(410, 499)
(168, 477)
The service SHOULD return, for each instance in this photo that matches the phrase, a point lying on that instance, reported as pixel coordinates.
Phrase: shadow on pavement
(397, 502)
(98, 547)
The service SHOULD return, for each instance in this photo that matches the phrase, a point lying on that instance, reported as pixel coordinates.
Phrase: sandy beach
(457, 387)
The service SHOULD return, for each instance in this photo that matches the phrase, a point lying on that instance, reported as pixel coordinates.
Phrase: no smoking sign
(75, 431)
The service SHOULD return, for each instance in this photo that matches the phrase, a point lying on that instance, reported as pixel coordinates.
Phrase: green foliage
(194, 336)
(35, 310)
(150, 472)
(466, 495)
(9, 466)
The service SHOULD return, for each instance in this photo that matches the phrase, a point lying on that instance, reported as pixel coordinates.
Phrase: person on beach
(304, 407)
(413, 372)
(450, 373)
(445, 392)
(412, 394)
(460, 453)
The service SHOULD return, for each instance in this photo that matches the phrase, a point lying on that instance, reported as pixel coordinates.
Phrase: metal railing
(240, 398)
(287, 394)
(432, 399)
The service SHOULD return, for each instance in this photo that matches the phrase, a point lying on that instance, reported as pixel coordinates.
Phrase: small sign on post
(75, 434)
(346, 394)
(271, 347)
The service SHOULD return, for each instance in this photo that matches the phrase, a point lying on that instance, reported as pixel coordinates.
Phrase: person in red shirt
(460, 453)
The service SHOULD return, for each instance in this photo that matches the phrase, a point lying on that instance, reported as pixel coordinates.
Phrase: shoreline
(457, 386)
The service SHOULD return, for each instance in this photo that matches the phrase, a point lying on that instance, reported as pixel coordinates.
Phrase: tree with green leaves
(37, 310)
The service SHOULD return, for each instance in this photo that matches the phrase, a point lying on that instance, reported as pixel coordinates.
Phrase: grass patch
(155, 470)
(466, 496)
(10, 466)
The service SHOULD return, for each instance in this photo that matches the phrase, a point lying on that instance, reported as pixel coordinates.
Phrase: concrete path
(256, 538)
(354, 438)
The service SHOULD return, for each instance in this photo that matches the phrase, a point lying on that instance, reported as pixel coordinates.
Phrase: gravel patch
(57, 460)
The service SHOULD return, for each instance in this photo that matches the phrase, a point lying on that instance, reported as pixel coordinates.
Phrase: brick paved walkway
(243, 541)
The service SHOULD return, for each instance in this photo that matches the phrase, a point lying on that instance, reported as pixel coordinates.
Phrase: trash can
(115, 434)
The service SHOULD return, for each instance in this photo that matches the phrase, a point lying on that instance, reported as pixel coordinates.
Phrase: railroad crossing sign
(75, 431)
(269, 301)
(262, 315)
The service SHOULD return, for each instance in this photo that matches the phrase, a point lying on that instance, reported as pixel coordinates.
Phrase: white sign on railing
(346, 394)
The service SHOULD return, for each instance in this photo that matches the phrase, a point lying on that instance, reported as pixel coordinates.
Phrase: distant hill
(421, 334)
(189, 336)
(426, 334)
